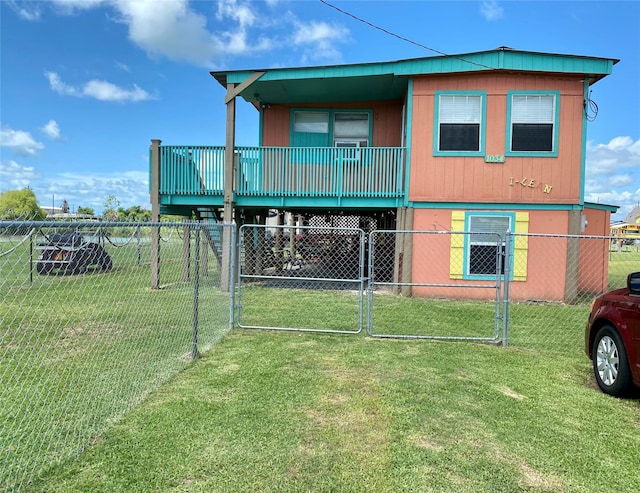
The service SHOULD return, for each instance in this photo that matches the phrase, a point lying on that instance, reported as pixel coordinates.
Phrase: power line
(359, 19)
(590, 107)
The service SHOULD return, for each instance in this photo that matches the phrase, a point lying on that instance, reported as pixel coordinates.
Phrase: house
(628, 231)
(485, 141)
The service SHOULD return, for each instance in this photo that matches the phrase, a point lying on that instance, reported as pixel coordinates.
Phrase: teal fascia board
(192, 200)
(601, 207)
(318, 202)
(501, 59)
(495, 206)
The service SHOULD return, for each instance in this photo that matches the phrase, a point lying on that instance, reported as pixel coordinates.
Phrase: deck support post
(227, 277)
(155, 213)
(403, 251)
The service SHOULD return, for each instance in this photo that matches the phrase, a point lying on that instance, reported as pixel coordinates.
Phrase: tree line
(23, 205)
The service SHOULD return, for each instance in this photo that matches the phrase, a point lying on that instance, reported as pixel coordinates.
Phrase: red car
(612, 338)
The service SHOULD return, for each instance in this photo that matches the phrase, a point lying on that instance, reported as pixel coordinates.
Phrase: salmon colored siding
(275, 126)
(594, 275)
(387, 122)
(470, 179)
(546, 259)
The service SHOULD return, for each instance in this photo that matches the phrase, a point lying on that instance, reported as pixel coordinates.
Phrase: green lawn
(287, 411)
(270, 411)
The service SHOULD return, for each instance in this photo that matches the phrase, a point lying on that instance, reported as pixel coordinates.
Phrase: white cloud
(98, 89)
(52, 130)
(28, 11)
(169, 29)
(19, 142)
(181, 31)
(491, 11)
(607, 159)
(91, 190)
(613, 174)
(319, 39)
(14, 175)
(123, 66)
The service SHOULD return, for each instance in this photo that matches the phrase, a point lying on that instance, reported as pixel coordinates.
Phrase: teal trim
(408, 132)
(372, 178)
(500, 59)
(467, 244)
(331, 124)
(495, 206)
(379, 81)
(601, 207)
(556, 124)
(583, 146)
(436, 124)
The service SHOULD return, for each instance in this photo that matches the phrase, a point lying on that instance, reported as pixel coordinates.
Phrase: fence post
(234, 268)
(196, 294)
(155, 213)
(138, 250)
(506, 276)
(186, 251)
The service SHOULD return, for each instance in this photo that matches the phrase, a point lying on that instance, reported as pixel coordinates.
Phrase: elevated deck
(282, 177)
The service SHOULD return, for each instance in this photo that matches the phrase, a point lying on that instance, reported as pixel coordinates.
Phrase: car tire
(610, 363)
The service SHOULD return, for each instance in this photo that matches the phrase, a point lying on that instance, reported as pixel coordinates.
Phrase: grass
(77, 352)
(286, 411)
(271, 411)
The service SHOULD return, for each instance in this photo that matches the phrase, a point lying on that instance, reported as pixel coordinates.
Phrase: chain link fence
(548, 309)
(414, 293)
(93, 317)
(530, 291)
(301, 267)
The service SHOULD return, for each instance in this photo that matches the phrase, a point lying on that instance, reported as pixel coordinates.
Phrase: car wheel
(610, 363)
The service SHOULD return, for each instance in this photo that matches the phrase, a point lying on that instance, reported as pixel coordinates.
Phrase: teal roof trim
(500, 59)
(378, 81)
(601, 207)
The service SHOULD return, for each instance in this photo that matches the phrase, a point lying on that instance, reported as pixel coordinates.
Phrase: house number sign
(529, 183)
(494, 158)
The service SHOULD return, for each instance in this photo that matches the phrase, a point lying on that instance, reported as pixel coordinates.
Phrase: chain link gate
(448, 275)
(282, 266)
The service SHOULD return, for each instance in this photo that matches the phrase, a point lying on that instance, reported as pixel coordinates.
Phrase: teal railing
(285, 171)
(191, 170)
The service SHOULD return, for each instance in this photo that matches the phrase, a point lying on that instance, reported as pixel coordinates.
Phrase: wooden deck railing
(285, 171)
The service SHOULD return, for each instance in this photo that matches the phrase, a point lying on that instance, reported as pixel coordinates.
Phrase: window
(486, 244)
(475, 254)
(532, 124)
(351, 129)
(311, 122)
(459, 128)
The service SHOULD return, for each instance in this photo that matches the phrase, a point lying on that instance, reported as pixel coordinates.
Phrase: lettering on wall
(530, 183)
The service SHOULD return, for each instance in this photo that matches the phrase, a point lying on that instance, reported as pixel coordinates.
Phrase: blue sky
(85, 84)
